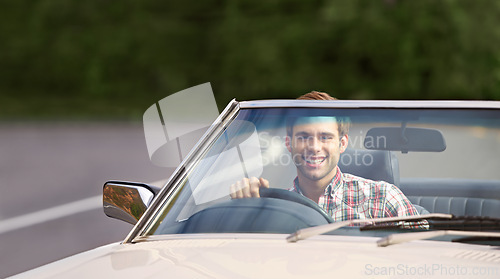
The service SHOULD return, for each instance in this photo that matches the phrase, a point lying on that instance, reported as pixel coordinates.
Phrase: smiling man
(315, 144)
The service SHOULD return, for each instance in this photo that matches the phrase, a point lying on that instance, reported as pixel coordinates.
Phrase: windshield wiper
(467, 223)
(308, 232)
(458, 223)
(405, 237)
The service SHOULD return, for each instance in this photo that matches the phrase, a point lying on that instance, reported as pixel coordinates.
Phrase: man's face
(315, 147)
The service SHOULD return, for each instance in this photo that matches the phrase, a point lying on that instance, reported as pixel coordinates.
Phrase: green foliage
(86, 59)
(136, 211)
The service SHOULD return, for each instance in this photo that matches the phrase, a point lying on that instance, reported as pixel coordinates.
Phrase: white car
(444, 156)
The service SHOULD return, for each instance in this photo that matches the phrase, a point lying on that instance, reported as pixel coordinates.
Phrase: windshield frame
(138, 233)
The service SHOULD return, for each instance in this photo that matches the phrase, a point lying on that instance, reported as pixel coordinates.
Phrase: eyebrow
(327, 134)
(302, 133)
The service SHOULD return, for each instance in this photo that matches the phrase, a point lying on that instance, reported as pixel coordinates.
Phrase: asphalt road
(51, 178)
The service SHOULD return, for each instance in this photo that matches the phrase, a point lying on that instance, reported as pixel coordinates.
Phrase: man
(315, 144)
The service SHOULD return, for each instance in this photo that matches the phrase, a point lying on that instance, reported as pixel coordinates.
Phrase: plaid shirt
(351, 197)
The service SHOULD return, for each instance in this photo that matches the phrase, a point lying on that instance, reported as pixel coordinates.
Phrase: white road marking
(56, 212)
(50, 214)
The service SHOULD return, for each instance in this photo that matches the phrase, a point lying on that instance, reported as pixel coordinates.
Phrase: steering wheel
(294, 197)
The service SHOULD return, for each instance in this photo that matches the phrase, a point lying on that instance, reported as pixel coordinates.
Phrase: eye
(326, 138)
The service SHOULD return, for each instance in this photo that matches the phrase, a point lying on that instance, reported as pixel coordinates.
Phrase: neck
(313, 189)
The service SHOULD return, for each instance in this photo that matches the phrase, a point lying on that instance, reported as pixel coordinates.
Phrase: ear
(343, 143)
(288, 143)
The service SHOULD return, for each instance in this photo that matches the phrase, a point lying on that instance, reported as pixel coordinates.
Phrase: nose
(314, 144)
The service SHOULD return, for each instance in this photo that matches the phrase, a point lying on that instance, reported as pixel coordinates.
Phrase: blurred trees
(82, 59)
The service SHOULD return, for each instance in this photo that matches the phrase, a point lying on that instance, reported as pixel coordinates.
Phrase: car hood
(270, 256)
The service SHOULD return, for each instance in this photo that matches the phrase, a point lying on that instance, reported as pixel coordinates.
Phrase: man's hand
(248, 188)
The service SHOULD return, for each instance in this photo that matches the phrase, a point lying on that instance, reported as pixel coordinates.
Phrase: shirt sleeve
(397, 204)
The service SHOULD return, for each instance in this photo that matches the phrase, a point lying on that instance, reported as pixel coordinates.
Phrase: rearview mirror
(404, 139)
(127, 201)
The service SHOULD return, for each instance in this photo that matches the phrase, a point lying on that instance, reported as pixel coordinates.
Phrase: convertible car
(440, 157)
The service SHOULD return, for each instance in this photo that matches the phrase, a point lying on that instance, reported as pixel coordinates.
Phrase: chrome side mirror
(127, 201)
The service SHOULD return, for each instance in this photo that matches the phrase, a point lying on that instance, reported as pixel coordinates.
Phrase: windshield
(314, 166)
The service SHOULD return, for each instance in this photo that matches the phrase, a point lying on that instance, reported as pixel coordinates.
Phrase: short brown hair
(316, 95)
(342, 123)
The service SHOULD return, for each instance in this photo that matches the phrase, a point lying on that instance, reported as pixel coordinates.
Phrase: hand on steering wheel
(248, 188)
(259, 187)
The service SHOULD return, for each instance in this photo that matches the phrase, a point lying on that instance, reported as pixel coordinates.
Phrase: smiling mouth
(314, 162)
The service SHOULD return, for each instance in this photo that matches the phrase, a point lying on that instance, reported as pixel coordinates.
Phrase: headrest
(378, 165)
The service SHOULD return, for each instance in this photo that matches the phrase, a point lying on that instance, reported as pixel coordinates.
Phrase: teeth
(315, 161)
